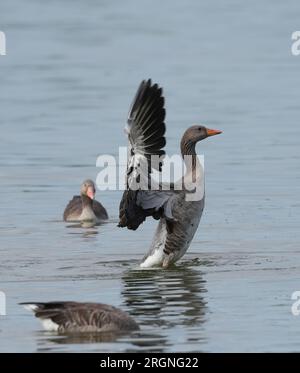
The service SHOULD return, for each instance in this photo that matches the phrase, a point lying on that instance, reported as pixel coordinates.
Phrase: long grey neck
(188, 152)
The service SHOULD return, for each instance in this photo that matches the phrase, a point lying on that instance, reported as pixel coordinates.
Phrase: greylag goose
(179, 215)
(85, 207)
(74, 317)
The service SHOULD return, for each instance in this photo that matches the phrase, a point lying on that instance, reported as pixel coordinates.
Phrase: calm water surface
(70, 72)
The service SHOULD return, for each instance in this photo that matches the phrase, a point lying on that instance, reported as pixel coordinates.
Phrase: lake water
(66, 82)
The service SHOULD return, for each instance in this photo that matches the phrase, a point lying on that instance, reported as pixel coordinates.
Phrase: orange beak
(212, 132)
(90, 192)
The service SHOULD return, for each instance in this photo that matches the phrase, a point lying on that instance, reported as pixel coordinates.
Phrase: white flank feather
(49, 325)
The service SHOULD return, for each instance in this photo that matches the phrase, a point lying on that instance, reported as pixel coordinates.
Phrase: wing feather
(145, 130)
(75, 316)
(73, 208)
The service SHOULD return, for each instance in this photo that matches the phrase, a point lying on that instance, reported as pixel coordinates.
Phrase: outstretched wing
(145, 130)
(145, 126)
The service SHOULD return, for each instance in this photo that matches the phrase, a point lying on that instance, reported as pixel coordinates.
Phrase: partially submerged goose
(85, 207)
(74, 317)
(178, 215)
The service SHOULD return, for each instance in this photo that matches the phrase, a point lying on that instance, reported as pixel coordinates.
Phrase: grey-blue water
(66, 82)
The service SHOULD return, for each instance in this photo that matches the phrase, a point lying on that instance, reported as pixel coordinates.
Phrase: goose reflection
(164, 299)
(87, 228)
(91, 232)
(81, 338)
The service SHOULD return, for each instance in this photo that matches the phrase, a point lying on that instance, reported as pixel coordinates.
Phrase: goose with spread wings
(179, 207)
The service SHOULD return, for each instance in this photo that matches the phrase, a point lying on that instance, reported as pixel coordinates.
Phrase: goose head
(198, 132)
(194, 134)
(88, 189)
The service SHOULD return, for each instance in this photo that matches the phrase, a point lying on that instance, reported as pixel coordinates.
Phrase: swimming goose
(74, 317)
(85, 207)
(179, 215)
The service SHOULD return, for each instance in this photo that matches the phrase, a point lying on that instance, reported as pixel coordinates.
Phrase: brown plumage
(85, 207)
(75, 317)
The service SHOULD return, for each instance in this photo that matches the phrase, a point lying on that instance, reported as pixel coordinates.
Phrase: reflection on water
(159, 300)
(162, 299)
(83, 224)
(85, 231)
(54, 338)
(159, 295)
